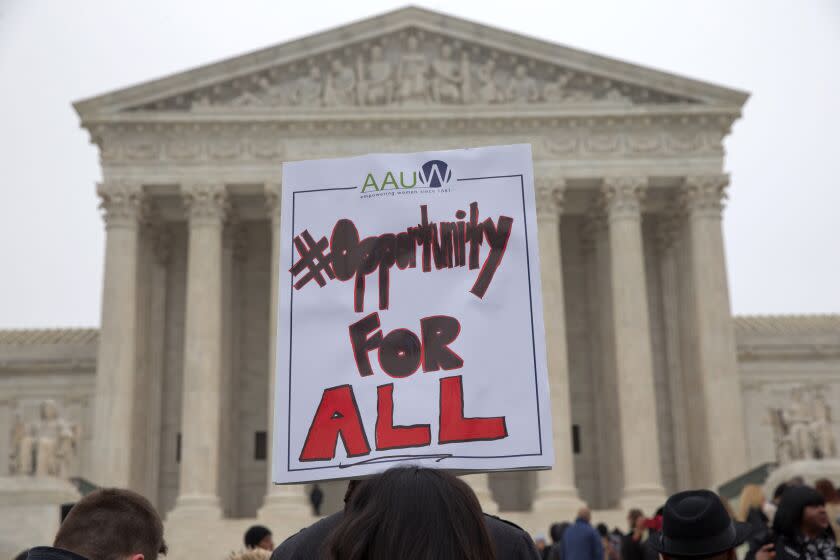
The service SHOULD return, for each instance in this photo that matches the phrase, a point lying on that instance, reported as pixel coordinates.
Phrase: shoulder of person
(511, 540)
(494, 520)
(307, 542)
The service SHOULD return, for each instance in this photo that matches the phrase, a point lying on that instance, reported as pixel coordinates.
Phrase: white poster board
(410, 323)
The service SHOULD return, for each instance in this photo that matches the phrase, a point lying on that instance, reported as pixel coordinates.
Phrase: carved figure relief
(488, 90)
(43, 448)
(450, 83)
(413, 68)
(802, 428)
(340, 85)
(411, 75)
(522, 88)
(375, 85)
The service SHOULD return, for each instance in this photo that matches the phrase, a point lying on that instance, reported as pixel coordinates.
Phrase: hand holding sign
(462, 350)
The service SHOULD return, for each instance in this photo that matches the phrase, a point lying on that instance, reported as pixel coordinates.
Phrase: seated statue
(44, 448)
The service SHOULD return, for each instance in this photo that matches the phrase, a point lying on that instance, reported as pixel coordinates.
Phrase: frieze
(232, 142)
(412, 68)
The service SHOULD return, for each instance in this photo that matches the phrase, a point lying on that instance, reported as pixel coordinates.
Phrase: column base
(284, 502)
(562, 501)
(196, 506)
(648, 498)
(480, 484)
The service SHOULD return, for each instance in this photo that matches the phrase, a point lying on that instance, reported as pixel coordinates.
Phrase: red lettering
(389, 436)
(337, 415)
(454, 427)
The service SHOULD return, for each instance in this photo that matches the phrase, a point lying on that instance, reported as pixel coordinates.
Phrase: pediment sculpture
(802, 428)
(413, 68)
(44, 447)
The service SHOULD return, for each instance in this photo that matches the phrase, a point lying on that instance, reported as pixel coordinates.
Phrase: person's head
(796, 481)
(826, 488)
(603, 530)
(802, 510)
(112, 524)
(696, 526)
(556, 531)
(777, 493)
(752, 497)
(411, 513)
(258, 536)
(633, 517)
(539, 540)
(585, 514)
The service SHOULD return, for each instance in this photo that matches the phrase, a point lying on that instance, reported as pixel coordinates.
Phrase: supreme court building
(652, 380)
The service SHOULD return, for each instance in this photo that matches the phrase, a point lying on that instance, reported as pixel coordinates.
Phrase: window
(576, 439)
(260, 446)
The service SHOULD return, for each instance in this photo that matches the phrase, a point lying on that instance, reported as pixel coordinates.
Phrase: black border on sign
(437, 456)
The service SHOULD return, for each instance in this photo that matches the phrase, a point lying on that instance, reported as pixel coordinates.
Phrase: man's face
(814, 519)
(267, 543)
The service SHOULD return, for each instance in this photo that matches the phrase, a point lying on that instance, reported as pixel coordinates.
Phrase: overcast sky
(781, 223)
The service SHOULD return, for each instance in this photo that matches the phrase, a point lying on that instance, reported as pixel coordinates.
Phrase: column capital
(550, 198)
(205, 203)
(622, 197)
(704, 194)
(121, 203)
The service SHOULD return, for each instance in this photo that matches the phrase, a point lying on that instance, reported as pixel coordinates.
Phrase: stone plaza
(655, 386)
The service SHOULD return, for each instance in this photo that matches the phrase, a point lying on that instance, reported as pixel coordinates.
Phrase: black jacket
(760, 534)
(510, 541)
(50, 553)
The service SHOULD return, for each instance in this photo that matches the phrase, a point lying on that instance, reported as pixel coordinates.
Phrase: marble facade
(654, 386)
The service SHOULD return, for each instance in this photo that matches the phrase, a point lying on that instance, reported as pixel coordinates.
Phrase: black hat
(695, 524)
(255, 534)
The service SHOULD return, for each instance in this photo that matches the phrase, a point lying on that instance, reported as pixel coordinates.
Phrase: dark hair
(411, 513)
(794, 501)
(255, 534)
(110, 524)
(780, 489)
(556, 531)
(22, 555)
(602, 529)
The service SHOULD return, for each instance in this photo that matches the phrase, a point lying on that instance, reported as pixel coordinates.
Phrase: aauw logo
(434, 174)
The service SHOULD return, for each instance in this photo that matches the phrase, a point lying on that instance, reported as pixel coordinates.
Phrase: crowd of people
(416, 513)
(799, 522)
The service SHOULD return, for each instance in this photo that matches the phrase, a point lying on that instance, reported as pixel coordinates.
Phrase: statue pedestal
(30, 511)
(810, 470)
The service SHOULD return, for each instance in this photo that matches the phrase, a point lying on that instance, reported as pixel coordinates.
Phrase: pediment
(409, 59)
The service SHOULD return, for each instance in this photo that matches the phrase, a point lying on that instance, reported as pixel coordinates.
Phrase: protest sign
(410, 323)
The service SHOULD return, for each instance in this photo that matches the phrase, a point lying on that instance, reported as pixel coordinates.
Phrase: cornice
(723, 115)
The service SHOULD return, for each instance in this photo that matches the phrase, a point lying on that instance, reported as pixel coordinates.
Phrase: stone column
(116, 367)
(667, 234)
(281, 501)
(716, 358)
(480, 484)
(206, 206)
(159, 241)
(556, 491)
(633, 360)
